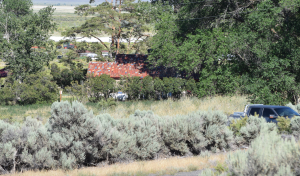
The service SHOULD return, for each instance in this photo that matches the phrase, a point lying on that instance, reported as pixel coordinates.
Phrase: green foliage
(35, 88)
(72, 134)
(284, 124)
(66, 76)
(158, 87)
(24, 146)
(237, 124)
(101, 87)
(106, 20)
(253, 53)
(102, 104)
(295, 126)
(268, 154)
(221, 167)
(21, 30)
(253, 128)
(147, 88)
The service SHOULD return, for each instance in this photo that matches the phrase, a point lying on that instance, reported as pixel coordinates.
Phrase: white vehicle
(93, 56)
(119, 96)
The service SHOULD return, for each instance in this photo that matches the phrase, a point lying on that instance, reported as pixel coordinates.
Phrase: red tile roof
(115, 70)
(125, 65)
(3, 73)
(130, 65)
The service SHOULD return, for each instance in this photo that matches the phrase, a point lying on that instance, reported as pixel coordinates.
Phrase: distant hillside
(64, 2)
(67, 2)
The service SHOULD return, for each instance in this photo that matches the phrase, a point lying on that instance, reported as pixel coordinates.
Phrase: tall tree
(119, 19)
(20, 30)
(246, 46)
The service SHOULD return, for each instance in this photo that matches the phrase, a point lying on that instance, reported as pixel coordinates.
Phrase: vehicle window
(268, 112)
(254, 111)
(285, 111)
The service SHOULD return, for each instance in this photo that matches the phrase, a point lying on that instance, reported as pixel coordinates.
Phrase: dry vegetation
(226, 104)
(58, 9)
(161, 167)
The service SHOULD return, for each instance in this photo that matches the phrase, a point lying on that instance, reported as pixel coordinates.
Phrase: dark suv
(269, 112)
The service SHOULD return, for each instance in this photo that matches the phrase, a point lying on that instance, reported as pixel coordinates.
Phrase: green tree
(20, 30)
(101, 87)
(133, 87)
(168, 86)
(109, 20)
(35, 88)
(158, 87)
(147, 87)
(249, 48)
(191, 87)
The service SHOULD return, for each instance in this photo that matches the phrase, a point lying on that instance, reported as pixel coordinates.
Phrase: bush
(102, 104)
(237, 124)
(295, 126)
(196, 132)
(268, 154)
(284, 125)
(72, 134)
(73, 138)
(294, 107)
(35, 88)
(24, 147)
(252, 129)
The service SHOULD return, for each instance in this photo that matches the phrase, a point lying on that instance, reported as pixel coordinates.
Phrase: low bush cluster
(268, 154)
(35, 89)
(74, 137)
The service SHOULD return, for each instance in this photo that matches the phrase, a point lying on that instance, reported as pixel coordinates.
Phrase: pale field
(161, 167)
(226, 104)
(2, 65)
(184, 106)
(59, 9)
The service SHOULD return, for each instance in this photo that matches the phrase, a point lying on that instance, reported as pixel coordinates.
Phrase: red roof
(3, 73)
(130, 65)
(115, 70)
(125, 65)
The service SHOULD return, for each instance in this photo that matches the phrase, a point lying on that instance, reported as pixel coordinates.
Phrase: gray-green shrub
(252, 129)
(72, 134)
(268, 154)
(295, 126)
(294, 107)
(74, 137)
(24, 146)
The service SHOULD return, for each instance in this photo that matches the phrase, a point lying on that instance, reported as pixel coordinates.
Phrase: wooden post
(60, 94)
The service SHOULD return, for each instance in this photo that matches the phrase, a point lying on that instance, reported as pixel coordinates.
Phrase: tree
(133, 87)
(20, 30)
(36, 88)
(109, 20)
(158, 87)
(233, 46)
(102, 86)
(147, 87)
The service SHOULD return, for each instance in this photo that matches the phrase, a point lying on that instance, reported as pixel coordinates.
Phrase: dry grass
(162, 166)
(58, 9)
(2, 65)
(226, 104)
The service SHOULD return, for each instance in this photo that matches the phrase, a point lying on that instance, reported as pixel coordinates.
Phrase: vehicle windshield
(286, 112)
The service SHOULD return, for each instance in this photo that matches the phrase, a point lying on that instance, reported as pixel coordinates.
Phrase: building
(130, 65)
(3, 73)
